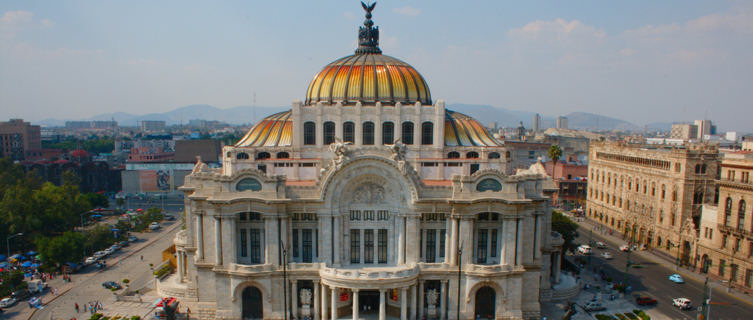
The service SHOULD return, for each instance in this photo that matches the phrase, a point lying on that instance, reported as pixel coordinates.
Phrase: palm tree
(554, 153)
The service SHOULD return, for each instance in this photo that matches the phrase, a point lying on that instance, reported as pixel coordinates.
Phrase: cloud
(47, 23)
(15, 17)
(407, 11)
(558, 29)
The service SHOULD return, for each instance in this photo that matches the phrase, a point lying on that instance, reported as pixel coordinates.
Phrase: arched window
(427, 133)
(508, 155)
(728, 212)
(697, 168)
(368, 133)
(741, 215)
(349, 132)
(388, 133)
(407, 133)
(703, 168)
(453, 155)
(493, 155)
(471, 155)
(309, 133)
(241, 156)
(283, 155)
(263, 155)
(328, 132)
(663, 191)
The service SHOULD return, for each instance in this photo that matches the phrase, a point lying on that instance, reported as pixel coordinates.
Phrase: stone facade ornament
(341, 152)
(398, 155)
(431, 300)
(368, 193)
(305, 296)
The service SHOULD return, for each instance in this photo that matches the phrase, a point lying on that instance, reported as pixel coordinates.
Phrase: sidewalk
(666, 260)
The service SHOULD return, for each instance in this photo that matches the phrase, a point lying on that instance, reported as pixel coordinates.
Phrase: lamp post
(7, 241)
(285, 279)
(460, 266)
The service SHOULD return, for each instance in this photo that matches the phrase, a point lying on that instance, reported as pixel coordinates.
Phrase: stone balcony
(369, 278)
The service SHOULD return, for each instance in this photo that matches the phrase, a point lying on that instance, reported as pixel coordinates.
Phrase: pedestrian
(142, 258)
(76, 304)
(188, 313)
(84, 307)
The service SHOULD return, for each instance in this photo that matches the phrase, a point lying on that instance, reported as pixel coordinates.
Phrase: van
(584, 249)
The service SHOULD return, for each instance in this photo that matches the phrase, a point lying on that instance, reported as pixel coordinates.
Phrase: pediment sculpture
(305, 296)
(368, 193)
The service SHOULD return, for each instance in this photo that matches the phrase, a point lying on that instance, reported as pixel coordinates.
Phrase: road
(650, 278)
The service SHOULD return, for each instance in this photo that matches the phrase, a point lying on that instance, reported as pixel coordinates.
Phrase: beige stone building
(725, 242)
(367, 198)
(652, 193)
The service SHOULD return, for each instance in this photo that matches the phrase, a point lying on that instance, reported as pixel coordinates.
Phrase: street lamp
(7, 241)
(285, 279)
(460, 266)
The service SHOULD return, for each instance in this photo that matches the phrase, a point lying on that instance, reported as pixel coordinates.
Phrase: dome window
(263, 156)
(388, 133)
(453, 155)
(309, 133)
(328, 132)
(407, 133)
(489, 184)
(427, 133)
(283, 155)
(242, 156)
(349, 132)
(471, 155)
(248, 184)
(368, 133)
(494, 155)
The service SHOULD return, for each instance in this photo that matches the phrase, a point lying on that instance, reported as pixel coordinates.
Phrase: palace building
(368, 199)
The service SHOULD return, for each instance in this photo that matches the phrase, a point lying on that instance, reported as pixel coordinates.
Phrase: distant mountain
(503, 117)
(590, 121)
(235, 115)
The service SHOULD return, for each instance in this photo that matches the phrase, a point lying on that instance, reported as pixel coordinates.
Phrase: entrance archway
(368, 301)
(252, 304)
(485, 298)
(706, 264)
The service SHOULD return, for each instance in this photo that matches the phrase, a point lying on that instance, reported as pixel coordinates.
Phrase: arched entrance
(485, 297)
(252, 304)
(706, 264)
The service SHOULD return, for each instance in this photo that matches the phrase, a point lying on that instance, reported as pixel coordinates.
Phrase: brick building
(18, 137)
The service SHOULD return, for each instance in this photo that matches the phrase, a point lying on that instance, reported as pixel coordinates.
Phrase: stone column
(333, 291)
(217, 240)
(411, 239)
(421, 299)
(557, 265)
(271, 245)
(400, 240)
(447, 239)
(179, 259)
(228, 240)
(413, 302)
(284, 238)
(403, 303)
(294, 297)
(316, 300)
(454, 242)
(324, 302)
(336, 241)
(518, 242)
(200, 236)
(355, 304)
(382, 305)
(466, 240)
(325, 239)
(508, 245)
(442, 299)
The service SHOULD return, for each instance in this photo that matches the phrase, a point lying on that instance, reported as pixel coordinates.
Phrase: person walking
(76, 304)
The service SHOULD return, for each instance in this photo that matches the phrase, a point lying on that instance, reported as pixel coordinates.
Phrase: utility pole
(460, 265)
(285, 280)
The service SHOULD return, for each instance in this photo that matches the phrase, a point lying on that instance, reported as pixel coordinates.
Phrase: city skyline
(641, 62)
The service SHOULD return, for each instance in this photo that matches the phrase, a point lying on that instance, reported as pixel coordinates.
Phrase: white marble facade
(380, 224)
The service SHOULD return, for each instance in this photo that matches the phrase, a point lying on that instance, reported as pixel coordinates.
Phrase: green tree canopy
(554, 153)
(565, 227)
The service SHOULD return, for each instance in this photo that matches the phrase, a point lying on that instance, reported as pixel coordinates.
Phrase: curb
(102, 270)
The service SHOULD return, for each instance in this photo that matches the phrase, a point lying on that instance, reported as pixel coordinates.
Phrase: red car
(645, 301)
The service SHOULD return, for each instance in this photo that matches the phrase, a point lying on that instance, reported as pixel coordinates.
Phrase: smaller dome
(273, 131)
(463, 130)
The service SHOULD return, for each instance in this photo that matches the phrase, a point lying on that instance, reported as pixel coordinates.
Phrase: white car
(154, 226)
(100, 254)
(109, 250)
(90, 260)
(682, 303)
(676, 278)
(606, 255)
(625, 248)
(7, 302)
(601, 245)
(584, 249)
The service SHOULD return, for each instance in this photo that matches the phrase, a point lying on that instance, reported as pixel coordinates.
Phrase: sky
(640, 61)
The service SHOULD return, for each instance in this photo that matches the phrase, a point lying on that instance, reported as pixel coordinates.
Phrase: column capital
(382, 290)
(355, 290)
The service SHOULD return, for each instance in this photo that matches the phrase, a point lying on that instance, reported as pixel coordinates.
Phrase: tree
(565, 227)
(120, 202)
(554, 153)
(96, 200)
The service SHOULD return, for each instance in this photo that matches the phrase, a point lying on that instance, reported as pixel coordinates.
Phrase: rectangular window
(244, 243)
(442, 237)
(295, 243)
(307, 245)
(721, 267)
(368, 246)
(431, 245)
(749, 278)
(382, 246)
(255, 245)
(493, 253)
(733, 273)
(481, 246)
(355, 246)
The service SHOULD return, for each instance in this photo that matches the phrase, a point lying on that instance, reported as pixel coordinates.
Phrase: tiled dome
(368, 78)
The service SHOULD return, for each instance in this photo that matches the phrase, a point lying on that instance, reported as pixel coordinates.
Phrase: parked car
(682, 303)
(606, 255)
(99, 254)
(124, 243)
(645, 301)
(601, 245)
(90, 260)
(133, 239)
(109, 250)
(115, 247)
(154, 226)
(111, 285)
(584, 249)
(624, 248)
(676, 278)
(169, 217)
(594, 306)
(7, 302)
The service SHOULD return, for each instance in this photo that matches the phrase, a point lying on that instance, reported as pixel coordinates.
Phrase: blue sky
(642, 61)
